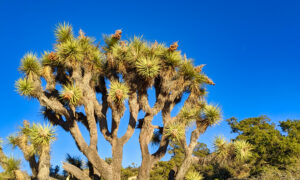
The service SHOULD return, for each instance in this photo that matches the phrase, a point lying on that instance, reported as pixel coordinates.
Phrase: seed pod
(173, 46)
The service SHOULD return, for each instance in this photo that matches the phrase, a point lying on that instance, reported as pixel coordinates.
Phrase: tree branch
(78, 173)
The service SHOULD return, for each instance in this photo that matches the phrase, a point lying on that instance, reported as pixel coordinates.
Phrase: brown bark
(189, 159)
(21, 175)
(75, 171)
(44, 164)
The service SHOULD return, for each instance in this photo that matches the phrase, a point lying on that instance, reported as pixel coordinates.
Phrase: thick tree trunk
(117, 156)
(145, 137)
(21, 175)
(44, 164)
(145, 168)
(75, 171)
(186, 164)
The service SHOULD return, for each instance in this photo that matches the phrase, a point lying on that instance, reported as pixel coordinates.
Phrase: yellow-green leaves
(11, 164)
(222, 148)
(188, 114)
(175, 130)
(63, 32)
(187, 69)
(30, 64)
(70, 50)
(40, 135)
(71, 94)
(137, 48)
(238, 151)
(242, 150)
(50, 58)
(24, 87)
(212, 114)
(173, 58)
(118, 92)
(193, 175)
(148, 67)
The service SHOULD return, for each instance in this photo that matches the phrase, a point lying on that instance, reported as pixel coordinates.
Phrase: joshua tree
(78, 73)
(11, 167)
(34, 141)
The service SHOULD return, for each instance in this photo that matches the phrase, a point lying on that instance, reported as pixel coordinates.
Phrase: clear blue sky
(251, 49)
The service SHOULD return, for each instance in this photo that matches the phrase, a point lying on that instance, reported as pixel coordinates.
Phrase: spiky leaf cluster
(109, 41)
(30, 64)
(137, 48)
(242, 150)
(64, 32)
(148, 67)
(176, 131)
(172, 58)
(49, 58)
(40, 135)
(193, 175)
(232, 152)
(118, 92)
(70, 50)
(222, 148)
(24, 87)
(212, 114)
(188, 114)
(11, 164)
(71, 94)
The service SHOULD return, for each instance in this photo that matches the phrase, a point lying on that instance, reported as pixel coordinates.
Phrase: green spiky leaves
(25, 87)
(173, 58)
(193, 175)
(118, 92)
(71, 94)
(188, 114)
(175, 130)
(237, 151)
(148, 67)
(212, 114)
(40, 135)
(222, 148)
(70, 50)
(49, 58)
(30, 64)
(64, 32)
(242, 150)
(187, 69)
(10, 165)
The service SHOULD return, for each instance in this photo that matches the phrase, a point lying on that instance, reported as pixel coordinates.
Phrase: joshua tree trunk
(189, 159)
(21, 175)
(184, 167)
(116, 163)
(44, 164)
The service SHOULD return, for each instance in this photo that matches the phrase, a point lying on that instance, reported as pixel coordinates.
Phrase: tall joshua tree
(78, 73)
(34, 141)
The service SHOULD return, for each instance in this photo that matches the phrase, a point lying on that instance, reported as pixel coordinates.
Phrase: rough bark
(20, 175)
(188, 158)
(44, 164)
(75, 171)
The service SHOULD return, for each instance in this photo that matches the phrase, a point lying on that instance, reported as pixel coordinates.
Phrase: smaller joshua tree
(234, 156)
(11, 167)
(203, 115)
(34, 141)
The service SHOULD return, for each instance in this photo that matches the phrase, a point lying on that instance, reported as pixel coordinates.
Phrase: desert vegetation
(85, 82)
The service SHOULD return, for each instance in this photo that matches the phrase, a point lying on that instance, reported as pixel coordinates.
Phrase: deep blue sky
(251, 49)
